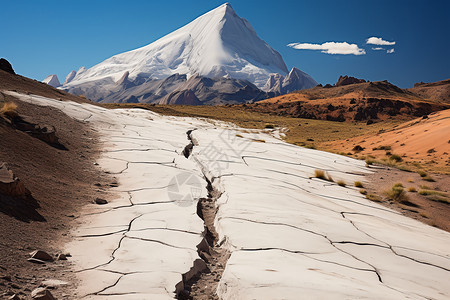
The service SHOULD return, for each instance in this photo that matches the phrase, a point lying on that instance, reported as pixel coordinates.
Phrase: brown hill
(423, 140)
(435, 91)
(23, 84)
(360, 102)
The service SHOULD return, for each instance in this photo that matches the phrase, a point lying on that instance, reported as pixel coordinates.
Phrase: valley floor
(282, 230)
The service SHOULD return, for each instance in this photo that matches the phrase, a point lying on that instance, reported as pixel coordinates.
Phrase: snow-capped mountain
(218, 45)
(52, 80)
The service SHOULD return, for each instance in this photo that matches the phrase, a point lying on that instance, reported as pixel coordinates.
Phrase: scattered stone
(100, 201)
(95, 164)
(41, 255)
(42, 294)
(62, 257)
(6, 277)
(14, 297)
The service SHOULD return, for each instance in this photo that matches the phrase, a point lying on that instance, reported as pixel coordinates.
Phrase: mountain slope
(216, 44)
(435, 91)
(365, 101)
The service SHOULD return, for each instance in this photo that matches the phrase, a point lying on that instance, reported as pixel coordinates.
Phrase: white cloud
(378, 41)
(330, 48)
(378, 48)
(390, 51)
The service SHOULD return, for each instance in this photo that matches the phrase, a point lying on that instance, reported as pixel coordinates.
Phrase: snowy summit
(217, 45)
(52, 80)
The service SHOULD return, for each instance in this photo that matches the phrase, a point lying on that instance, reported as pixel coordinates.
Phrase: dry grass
(412, 189)
(397, 193)
(319, 174)
(9, 109)
(358, 184)
(373, 197)
(341, 183)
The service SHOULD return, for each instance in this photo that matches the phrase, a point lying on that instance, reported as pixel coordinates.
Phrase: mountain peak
(228, 9)
(52, 80)
(217, 44)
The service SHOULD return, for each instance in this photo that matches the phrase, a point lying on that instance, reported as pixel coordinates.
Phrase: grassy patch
(397, 193)
(319, 174)
(323, 175)
(9, 109)
(373, 197)
(358, 184)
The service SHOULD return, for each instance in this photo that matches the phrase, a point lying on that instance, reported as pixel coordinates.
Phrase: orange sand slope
(421, 140)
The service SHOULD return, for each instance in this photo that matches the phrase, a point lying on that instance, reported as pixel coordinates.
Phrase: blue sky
(54, 37)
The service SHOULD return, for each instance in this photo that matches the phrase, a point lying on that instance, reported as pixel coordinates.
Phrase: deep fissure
(201, 281)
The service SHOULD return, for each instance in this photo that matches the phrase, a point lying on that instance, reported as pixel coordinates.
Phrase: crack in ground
(115, 250)
(390, 247)
(315, 233)
(201, 281)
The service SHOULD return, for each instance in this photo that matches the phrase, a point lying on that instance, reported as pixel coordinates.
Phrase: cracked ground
(277, 232)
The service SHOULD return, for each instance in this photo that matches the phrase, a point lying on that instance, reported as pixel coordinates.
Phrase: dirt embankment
(61, 179)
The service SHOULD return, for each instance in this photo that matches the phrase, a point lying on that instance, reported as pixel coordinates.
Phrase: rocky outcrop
(70, 77)
(186, 97)
(52, 80)
(346, 80)
(15, 199)
(209, 91)
(10, 185)
(45, 133)
(6, 66)
(294, 81)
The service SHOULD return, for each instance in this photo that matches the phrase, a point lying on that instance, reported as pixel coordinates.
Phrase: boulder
(100, 201)
(10, 185)
(42, 294)
(6, 66)
(41, 255)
